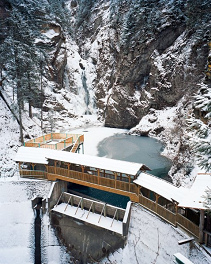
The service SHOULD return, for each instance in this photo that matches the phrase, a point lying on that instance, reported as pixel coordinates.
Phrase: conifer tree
(201, 124)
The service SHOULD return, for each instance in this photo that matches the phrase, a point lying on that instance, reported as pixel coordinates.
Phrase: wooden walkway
(99, 174)
(128, 189)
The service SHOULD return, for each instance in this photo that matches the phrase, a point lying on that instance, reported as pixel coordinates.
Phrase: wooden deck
(57, 141)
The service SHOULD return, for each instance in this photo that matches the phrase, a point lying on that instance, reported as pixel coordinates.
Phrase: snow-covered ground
(17, 225)
(150, 240)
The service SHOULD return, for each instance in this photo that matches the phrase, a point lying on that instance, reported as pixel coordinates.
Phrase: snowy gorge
(116, 60)
(144, 66)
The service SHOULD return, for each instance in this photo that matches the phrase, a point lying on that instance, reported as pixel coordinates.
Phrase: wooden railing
(175, 219)
(64, 141)
(128, 188)
(33, 174)
(79, 140)
(188, 225)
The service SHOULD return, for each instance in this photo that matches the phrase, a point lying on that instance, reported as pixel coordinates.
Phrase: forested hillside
(123, 61)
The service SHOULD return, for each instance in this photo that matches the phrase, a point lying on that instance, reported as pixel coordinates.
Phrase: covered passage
(101, 173)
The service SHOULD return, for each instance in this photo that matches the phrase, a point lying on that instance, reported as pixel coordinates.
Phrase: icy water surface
(143, 150)
(136, 149)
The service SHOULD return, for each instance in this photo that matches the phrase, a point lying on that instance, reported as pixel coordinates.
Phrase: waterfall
(88, 94)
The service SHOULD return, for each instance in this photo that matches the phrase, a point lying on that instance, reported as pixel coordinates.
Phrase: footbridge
(178, 206)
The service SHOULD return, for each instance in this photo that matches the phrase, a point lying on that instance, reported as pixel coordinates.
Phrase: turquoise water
(143, 150)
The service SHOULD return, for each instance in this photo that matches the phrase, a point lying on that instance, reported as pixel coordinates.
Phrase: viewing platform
(57, 141)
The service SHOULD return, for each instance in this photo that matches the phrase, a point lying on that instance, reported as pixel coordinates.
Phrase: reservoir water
(125, 147)
(136, 149)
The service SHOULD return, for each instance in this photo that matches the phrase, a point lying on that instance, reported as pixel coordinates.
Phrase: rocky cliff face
(146, 54)
(120, 58)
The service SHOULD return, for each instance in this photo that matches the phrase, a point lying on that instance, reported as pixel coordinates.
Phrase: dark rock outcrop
(150, 54)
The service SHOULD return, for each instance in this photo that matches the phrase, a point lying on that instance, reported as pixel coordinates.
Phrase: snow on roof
(41, 156)
(194, 197)
(33, 155)
(191, 198)
(159, 186)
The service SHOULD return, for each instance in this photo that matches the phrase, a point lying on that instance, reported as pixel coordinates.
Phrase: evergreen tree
(201, 124)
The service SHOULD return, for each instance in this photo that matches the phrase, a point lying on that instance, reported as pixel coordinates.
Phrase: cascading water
(86, 95)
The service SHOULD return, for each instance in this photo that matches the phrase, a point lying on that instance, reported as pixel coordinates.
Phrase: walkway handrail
(80, 177)
(89, 210)
(79, 140)
(59, 199)
(67, 203)
(78, 205)
(102, 212)
(114, 217)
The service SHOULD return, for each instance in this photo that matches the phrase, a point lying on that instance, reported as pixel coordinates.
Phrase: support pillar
(82, 168)
(69, 169)
(115, 174)
(156, 200)
(55, 162)
(138, 190)
(98, 176)
(201, 226)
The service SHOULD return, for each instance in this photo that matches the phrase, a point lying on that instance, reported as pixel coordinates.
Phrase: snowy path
(17, 224)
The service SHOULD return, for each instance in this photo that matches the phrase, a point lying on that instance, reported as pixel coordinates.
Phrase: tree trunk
(41, 96)
(20, 124)
(30, 108)
(29, 96)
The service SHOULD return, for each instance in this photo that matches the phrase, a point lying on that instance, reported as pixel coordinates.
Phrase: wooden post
(115, 174)
(156, 200)
(176, 212)
(98, 176)
(46, 166)
(55, 166)
(201, 226)
(138, 190)
(82, 168)
(129, 183)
